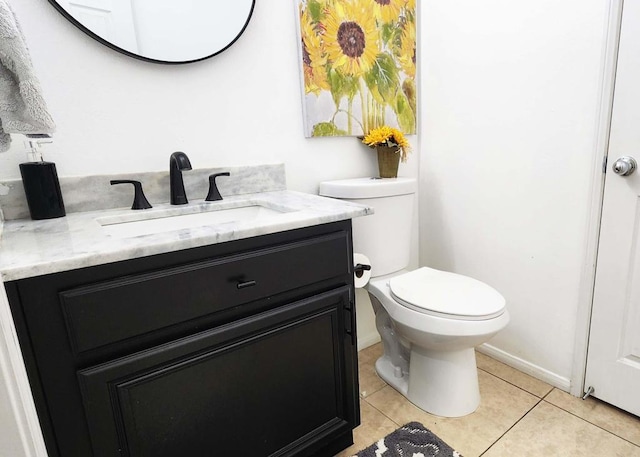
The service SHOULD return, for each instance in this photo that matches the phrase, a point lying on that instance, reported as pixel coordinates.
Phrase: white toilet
(430, 321)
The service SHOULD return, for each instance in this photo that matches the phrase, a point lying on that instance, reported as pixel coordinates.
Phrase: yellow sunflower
(410, 4)
(351, 37)
(407, 57)
(387, 10)
(314, 58)
(390, 137)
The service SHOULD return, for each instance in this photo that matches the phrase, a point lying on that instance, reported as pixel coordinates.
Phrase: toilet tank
(385, 236)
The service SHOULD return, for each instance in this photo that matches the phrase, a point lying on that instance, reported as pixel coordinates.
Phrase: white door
(613, 361)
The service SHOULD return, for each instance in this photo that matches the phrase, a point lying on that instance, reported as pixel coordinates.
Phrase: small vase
(388, 161)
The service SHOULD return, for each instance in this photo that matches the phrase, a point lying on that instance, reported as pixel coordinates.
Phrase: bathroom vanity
(232, 338)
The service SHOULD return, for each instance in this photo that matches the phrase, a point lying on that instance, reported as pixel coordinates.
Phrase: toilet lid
(448, 294)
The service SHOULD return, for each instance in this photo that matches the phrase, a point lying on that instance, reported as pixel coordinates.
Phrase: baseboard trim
(368, 340)
(513, 361)
(529, 368)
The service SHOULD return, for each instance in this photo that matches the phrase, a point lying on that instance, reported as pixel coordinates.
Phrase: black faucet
(178, 162)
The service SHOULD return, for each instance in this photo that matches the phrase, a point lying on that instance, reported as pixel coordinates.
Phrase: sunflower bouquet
(388, 137)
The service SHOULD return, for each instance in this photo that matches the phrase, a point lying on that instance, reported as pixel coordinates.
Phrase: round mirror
(163, 31)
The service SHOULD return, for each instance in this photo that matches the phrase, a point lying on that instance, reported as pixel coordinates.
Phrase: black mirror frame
(71, 19)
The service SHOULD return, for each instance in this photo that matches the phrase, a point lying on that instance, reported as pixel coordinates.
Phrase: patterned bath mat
(411, 440)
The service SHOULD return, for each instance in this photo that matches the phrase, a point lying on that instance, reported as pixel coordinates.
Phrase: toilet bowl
(429, 321)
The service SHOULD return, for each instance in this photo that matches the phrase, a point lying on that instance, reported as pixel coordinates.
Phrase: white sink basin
(167, 221)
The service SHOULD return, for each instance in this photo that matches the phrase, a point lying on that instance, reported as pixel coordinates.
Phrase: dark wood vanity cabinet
(239, 348)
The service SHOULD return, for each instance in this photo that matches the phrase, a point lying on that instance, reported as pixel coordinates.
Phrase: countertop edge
(77, 249)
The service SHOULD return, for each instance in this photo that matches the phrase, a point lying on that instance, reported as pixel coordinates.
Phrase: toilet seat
(445, 294)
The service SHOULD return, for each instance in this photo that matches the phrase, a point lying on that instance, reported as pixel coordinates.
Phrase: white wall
(509, 109)
(116, 114)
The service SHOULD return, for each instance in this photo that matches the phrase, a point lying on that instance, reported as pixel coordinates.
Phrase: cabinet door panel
(266, 385)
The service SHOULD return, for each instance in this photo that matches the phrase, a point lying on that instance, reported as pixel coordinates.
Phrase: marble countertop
(32, 248)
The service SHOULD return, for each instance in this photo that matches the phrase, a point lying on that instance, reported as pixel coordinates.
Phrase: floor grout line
(515, 385)
(589, 422)
(540, 400)
(383, 414)
(368, 394)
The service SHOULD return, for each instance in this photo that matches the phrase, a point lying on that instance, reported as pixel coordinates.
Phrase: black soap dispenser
(40, 181)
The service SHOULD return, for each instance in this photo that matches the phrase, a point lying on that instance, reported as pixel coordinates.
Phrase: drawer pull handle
(245, 284)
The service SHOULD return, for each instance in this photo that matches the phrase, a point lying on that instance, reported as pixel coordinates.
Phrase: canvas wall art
(358, 61)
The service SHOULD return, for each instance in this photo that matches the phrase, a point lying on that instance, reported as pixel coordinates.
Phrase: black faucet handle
(139, 200)
(214, 193)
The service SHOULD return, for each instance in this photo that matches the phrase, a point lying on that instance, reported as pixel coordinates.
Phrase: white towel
(22, 107)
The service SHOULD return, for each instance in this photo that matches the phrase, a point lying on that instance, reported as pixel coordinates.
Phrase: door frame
(611, 41)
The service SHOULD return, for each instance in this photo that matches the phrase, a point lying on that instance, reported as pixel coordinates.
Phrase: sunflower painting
(358, 65)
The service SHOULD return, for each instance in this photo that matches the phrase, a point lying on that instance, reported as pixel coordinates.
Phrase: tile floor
(518, 416)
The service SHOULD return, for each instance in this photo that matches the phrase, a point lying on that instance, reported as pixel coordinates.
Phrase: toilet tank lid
(368, 187)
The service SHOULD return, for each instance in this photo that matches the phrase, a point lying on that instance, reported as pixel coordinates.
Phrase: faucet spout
(178, 162)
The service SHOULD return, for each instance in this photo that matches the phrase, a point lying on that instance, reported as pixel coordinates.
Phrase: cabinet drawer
(106, 312)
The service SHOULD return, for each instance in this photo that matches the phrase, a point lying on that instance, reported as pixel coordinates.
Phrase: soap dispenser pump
(40, 181)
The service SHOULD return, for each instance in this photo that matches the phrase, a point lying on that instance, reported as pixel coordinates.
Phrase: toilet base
(441, 383)
(388, 372)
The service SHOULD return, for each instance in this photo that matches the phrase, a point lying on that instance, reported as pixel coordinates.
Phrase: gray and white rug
(410, 440)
